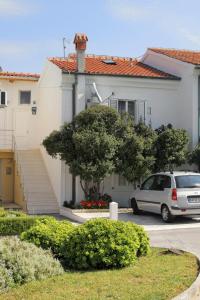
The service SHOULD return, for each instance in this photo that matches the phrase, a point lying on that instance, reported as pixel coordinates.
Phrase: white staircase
(38, 192)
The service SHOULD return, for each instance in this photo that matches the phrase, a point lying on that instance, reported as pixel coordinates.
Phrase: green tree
(194, 156)
(89, 144)
(136, 154)
(171, 148)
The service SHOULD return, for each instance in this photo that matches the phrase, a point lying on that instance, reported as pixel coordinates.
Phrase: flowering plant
(94, 204)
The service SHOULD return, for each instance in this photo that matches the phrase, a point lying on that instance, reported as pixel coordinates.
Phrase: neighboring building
(18, 94)
(162, 87)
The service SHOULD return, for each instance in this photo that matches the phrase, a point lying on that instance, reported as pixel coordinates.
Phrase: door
(22, 129)
(6, 180)
(159, 193)
(144, 195)
(3, 136)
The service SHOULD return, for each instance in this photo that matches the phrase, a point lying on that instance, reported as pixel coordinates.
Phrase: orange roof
(15, 75)
(121, 66)
(192, 57)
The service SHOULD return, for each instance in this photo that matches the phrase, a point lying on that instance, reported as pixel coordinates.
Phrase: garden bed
(160, 275)
(97, 210)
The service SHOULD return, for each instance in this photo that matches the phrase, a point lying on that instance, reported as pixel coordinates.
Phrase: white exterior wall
(160, 95)
(187, 100)
(49, 119)
(18, 117)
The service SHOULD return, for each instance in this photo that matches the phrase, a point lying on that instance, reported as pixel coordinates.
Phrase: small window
(25, 97)
(8, 171)
(131, 108)
(166, 182)
(3, 98)
(109, 62)
(121, 106)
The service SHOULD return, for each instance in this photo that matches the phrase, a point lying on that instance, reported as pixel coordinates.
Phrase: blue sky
(31, 30)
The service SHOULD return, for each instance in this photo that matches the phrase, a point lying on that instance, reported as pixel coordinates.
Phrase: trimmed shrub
(48, 234)
(6, 280)
(21, 262)
(144, 247)
(11, 213)
(103, 243)
(13, 226)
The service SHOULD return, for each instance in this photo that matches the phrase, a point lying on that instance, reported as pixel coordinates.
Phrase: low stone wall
(68, 213)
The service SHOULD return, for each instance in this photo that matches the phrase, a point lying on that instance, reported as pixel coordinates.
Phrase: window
(162, 182)
(25, 97)
(187, 181)
(157, 183)
(3, 98)
(148, 184)
(123, 106)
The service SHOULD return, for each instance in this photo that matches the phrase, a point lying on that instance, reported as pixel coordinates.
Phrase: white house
(162, 87)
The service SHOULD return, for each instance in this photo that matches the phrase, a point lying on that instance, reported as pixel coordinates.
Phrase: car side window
(162, 182)
(148, 184)
(167, 182)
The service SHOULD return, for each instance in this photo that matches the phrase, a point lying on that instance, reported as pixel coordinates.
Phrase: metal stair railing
(19, 170)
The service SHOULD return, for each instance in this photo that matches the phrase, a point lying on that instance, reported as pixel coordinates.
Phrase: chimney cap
(80, 37)
(80, 41)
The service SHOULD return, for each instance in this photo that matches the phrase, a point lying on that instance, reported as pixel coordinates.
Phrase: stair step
(36, 183)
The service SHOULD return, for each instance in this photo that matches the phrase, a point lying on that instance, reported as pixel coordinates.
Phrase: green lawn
(155, 277)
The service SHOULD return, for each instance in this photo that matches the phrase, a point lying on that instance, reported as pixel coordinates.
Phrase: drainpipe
(80, 41)
(74, 92)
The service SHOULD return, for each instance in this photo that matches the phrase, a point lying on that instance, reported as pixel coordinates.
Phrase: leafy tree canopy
(171, 148)
(194, 157)
(89, 144)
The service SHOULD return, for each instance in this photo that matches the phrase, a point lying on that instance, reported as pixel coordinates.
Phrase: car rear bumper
(181, 211)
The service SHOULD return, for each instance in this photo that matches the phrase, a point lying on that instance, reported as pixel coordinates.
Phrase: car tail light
(174, 194)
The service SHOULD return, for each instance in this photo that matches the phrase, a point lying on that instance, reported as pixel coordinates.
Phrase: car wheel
(134, 206)
(166, 214)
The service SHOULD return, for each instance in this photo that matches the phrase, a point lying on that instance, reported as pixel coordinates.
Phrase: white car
(169, 194)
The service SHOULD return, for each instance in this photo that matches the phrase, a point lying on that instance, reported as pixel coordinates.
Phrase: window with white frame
(136, 108)
(123, 106)
(25, 97)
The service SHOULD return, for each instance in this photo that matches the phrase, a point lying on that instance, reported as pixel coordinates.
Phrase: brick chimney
(80, 41)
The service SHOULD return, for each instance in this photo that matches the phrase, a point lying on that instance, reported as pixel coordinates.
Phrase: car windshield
(187, 181)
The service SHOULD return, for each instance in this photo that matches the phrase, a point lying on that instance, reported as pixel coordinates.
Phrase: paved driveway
(183, 234)
(153, 222)
(185, 239)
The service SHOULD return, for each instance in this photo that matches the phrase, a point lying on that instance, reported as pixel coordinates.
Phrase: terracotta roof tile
(122, 66)
(13, 75)
(192, 57)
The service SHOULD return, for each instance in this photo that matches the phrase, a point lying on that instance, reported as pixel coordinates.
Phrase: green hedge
(102, 244)
(48, 234)
(16, 225)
